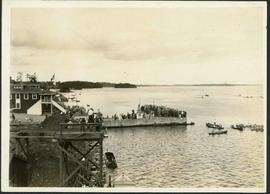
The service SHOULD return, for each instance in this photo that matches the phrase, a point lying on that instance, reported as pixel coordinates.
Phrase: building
(29, 98)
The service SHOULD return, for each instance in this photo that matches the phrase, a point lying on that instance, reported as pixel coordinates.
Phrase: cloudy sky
(181, 45)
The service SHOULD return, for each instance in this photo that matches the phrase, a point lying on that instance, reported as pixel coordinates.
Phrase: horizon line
(191, 84)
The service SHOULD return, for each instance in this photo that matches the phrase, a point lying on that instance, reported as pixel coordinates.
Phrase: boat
(218, 132)
(190, 123)
(257, 128)
(110, 160)
(143, 122)
(214, 126)
(239, 127)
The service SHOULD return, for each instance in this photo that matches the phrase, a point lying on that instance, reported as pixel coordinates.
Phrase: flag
(53, 77)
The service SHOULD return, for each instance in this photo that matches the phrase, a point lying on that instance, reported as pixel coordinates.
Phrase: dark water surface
(187, 156)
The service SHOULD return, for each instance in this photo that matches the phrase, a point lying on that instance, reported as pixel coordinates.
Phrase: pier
(80, 149)
(144, 122)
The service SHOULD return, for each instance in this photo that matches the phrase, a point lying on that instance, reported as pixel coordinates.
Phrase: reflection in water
(187, 156)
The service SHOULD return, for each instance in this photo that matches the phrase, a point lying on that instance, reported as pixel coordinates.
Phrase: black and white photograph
(109, 96)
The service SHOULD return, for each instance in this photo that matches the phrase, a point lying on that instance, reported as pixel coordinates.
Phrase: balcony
(46, 99)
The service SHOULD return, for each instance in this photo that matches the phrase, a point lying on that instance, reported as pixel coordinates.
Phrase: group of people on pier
(149, 111)
(162, 111)
(83, 115)
(131, 115)
(88, 115)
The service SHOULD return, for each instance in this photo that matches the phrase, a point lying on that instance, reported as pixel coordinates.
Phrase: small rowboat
(218, 132)
(239, 127)
(110, 160)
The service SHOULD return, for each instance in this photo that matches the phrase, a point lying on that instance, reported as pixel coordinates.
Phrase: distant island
(78, 85)
(125, 85)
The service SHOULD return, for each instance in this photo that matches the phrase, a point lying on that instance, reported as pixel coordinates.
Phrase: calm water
(187, 156)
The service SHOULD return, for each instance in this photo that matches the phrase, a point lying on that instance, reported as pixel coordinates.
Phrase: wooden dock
(67, 139)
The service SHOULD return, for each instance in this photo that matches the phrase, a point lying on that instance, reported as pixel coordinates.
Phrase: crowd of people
(148, 111)
(131, 115)
(162, 111)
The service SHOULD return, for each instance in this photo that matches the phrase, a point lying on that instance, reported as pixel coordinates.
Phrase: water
(187, 156)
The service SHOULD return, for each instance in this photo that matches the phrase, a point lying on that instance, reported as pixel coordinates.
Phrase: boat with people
(148, 115)
(214, 125)
(190, 123)
(218, 132)
(257, 128)
(239, 127)
(110, 160)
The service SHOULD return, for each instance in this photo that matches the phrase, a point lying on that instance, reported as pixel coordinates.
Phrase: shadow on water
(178, 128)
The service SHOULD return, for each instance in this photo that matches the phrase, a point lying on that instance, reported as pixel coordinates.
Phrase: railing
(80, 128)
(46, 100)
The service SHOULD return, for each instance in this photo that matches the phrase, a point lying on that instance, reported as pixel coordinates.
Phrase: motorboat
(239, 127)
(214, 126)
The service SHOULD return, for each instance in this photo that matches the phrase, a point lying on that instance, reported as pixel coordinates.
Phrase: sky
(181, 45)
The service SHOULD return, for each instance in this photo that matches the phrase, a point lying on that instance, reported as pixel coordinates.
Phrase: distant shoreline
(66, 86)
(146, 85)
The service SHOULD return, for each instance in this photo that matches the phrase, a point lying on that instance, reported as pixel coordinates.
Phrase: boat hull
(218, 132)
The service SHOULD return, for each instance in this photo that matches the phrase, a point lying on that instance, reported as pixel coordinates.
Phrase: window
(26, 96)
(46, 99)
(34, 96)
(18, 105)
(18, 96)
(17, 87)
(10, 96)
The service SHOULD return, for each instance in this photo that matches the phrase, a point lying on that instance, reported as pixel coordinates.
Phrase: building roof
(23, 118)
(32, 90)
(26, 83)
(25, 90)
(47, 92)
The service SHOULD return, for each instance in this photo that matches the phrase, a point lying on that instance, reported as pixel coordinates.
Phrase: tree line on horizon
(66, 86)
(78, 85)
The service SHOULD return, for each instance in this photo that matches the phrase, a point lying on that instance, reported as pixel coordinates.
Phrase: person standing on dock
(13, 118)
(90, 113)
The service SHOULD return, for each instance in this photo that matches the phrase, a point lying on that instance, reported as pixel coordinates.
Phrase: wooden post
(17, 147)
(101, 161)
(61, 176)
(110, 181)
(27, 148)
